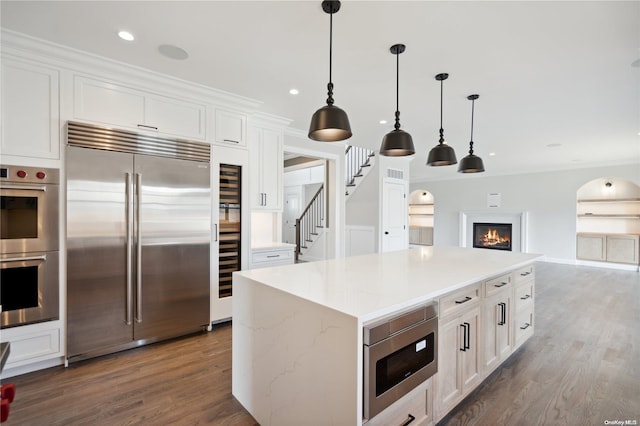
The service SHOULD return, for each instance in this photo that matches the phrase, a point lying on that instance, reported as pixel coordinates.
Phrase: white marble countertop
(269, 245)
(370, 286)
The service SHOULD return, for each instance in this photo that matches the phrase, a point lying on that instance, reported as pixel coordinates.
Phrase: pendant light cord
(397, 125)
(330, 85)
(473, 102)
(441, 141)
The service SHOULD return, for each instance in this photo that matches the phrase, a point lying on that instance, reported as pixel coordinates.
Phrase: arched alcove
(421, 205)
(608, 221)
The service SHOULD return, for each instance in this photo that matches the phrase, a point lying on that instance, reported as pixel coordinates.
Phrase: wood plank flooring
(581, 367)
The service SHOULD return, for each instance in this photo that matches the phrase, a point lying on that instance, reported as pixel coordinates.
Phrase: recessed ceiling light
(126, 35)
(173, 52)
(293, 91)
(492, 154)
(383, 121)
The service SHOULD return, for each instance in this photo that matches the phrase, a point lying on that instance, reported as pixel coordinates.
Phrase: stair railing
(355, 159)
(311, 219)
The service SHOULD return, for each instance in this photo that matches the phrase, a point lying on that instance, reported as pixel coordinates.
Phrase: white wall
(549, 198)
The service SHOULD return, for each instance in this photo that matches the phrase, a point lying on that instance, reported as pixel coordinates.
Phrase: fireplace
(495, 236)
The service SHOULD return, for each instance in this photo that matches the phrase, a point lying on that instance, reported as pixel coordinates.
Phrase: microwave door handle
(138, 250)
(24, 187)
(128, 208)
(23, 259)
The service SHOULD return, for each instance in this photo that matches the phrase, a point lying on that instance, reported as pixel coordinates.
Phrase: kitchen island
(298, 329)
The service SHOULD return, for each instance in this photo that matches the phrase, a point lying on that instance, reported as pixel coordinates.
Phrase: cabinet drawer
(279, 256)
(524, 326)
(497, 284)
(524, 295)
(415, 405)
(524, 274)
(230, 128)
(458, 300)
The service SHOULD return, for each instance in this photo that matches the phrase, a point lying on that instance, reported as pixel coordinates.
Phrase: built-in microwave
(400, 353)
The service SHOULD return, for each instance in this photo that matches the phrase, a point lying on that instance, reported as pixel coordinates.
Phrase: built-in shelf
(619, 216)
(610, 200)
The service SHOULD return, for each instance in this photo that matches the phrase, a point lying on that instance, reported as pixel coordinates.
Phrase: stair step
(309, 241)
(366, 165)
(319, 226)
(304, 247)
(358, 175)
(313, 233)
(373, 154)
(351, 184)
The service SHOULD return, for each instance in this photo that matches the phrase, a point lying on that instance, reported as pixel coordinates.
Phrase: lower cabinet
(415, 408)
(498, 326)
(421, 235)
(266, 256)
(617, 248)
(459, 364)
(32, 344)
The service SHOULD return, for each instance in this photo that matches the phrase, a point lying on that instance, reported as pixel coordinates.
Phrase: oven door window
(19, 288)
(19, 217)
(399, 365)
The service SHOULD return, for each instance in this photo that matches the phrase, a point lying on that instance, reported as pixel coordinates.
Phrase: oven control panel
(24, 174)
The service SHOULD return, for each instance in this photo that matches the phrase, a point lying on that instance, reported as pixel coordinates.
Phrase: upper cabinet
(30, 110)
(230, 128)
(109, 103)
(266, 161)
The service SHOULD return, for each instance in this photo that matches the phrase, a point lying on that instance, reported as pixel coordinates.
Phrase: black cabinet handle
(410, 419)
(524, 274)
(526, 325)
(144, 126)
(503, 311)
(526, 296)
(467, 340)
(500, 285)
(466, 299)
(230, 140)
(464, 337)
(273, 255)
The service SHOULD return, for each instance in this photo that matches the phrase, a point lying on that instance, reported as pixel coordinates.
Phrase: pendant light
(471, 163)
(330, 123)
(442, 154)
(397, 143)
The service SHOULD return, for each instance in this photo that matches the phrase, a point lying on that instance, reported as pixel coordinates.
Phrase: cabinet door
(426, 235)
(622, 248)
(107, 103)
(175, 117)
(470, 364)
(30, 110)
(497, 326)
(414, 235)
(591, 247)
(230, 128)
(272, 169)
(450, 345)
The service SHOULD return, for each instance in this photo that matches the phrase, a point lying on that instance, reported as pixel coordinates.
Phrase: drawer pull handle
(410, 419)
(273, 255)
(526, 296)
(144, 126)
(526, 325)
(524, 274)
(500, 285)
(230, 140)
(503, 313)
(466, 299)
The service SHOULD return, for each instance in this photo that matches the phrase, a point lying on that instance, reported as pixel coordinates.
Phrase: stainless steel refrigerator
(138, 239)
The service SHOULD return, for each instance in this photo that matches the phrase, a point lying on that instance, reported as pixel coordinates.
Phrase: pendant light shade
(442, 154)
(471, 163)
(397, 143)
(330, 123)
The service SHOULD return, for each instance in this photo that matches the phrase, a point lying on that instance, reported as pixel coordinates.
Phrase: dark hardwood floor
(581, 367)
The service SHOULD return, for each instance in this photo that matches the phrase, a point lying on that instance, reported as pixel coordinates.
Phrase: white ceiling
(556, 82)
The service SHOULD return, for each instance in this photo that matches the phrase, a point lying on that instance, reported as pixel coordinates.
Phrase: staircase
(310, 224)
(358, 161)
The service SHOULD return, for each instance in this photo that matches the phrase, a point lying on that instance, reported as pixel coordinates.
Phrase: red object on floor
(8, 391)
(4, 410)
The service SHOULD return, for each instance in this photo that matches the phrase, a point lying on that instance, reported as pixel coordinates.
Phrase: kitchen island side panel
(294, 362)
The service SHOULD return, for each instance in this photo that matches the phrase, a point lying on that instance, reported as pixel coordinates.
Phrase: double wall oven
(400, 353)
(29, 245)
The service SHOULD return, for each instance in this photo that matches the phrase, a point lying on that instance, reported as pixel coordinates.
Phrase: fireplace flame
(492, 238)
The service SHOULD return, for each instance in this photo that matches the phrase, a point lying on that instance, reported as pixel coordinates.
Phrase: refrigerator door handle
(138, 250)
(128, 207)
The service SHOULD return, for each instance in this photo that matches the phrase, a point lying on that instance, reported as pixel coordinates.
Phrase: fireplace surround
(518, 220)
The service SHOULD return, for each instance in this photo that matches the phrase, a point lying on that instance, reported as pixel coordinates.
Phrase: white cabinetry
(266, 168)
(32, 344)
(230, 128)
(459, 366)
(617, 248)
(524, 303)
(30, 110)
(421, 235)
(110, 103)
(268, 255)
(497, 321)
